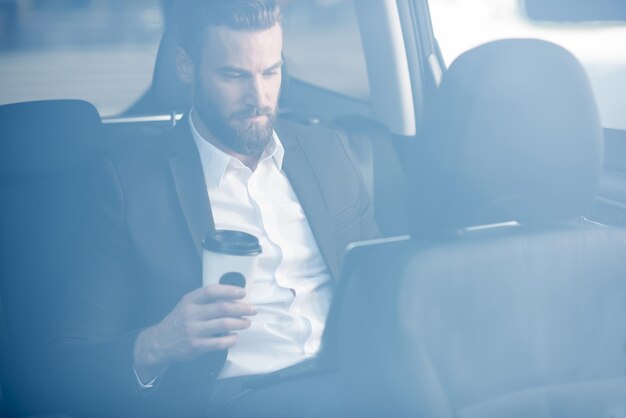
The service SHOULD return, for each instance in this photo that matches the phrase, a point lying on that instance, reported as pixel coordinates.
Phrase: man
(145, 336)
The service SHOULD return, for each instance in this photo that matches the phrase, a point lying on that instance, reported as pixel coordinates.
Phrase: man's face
(237, 84)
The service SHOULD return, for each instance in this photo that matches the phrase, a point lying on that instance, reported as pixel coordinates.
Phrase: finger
(216, 291)
(222, 342)
(223, 308)
(221, 326)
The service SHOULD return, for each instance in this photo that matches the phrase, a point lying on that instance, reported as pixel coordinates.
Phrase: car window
(460, 25)
(99, 51)
(323, 46)
(104, 51)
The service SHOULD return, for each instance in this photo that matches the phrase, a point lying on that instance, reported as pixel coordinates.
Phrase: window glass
(323, 46)
(101, 51)
(460, 25)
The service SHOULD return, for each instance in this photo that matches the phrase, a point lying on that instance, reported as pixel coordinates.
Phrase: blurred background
(600, 45)
(104, 51)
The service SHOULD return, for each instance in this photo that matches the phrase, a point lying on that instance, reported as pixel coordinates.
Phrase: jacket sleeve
(93, 352)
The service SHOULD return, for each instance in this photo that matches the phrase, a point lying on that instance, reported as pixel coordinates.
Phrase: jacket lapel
(189, 183)
(190, 186)
(304, 182)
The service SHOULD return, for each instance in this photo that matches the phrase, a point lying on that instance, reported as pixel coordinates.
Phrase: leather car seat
(505, 302)
(47, 149)
(166, 94)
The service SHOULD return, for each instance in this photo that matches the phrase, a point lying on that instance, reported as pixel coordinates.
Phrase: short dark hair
(193, 17)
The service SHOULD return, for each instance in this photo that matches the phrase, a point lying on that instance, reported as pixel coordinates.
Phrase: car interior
(498, 289)
(506, 292)
(45, 171)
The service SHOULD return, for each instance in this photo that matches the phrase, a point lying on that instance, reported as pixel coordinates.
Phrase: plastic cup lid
(231, 242)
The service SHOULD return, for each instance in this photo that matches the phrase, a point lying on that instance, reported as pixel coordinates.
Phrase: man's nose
(257, 93)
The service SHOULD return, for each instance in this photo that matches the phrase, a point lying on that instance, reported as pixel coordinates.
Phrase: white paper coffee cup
(226, 252)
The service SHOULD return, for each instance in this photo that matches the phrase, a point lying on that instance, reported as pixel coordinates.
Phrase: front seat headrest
(513, 133)
(48, 137)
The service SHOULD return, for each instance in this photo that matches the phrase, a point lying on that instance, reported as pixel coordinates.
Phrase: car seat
(47, 149)
(506, 302)
(166, 94)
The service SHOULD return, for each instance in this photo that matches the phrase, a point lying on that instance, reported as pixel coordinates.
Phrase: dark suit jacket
(143, 254)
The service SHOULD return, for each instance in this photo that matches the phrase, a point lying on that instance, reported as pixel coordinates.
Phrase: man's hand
(202, 321)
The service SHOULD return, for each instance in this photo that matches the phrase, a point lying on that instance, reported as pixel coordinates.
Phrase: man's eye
(232, 75)
(271, 73)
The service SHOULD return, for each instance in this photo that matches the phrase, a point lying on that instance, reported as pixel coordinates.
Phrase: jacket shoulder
(133, 149)
(308, 131)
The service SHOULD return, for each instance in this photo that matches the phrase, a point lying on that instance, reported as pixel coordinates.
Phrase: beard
(236, 131)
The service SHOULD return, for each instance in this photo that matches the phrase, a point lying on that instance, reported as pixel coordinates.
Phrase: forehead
(224, 46)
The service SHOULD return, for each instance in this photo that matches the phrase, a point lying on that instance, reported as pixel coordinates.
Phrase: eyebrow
(275, 66)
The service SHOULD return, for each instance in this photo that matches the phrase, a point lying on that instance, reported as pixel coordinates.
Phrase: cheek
(273, 87)
(207, 90)
(226, 96)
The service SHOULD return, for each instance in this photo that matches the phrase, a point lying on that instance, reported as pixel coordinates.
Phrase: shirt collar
(215, 161)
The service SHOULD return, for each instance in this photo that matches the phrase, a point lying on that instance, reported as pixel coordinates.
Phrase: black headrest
(47, 137)
(170, 94)
(512, 134)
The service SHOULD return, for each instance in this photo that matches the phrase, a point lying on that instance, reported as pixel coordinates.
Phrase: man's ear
(184, 66)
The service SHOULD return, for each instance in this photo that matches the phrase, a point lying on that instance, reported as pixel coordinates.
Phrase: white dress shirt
(292, 285)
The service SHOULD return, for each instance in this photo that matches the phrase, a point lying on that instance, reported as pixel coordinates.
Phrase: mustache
(254, 112)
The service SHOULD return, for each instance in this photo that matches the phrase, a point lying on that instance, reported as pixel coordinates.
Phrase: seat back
(47, 150)
(167, 94)
(489, 325)
(503, 303)
(4, 342)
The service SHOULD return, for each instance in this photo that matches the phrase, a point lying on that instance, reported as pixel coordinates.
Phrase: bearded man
(145, 336)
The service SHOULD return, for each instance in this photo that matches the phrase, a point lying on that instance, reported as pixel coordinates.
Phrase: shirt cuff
(150, 385)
